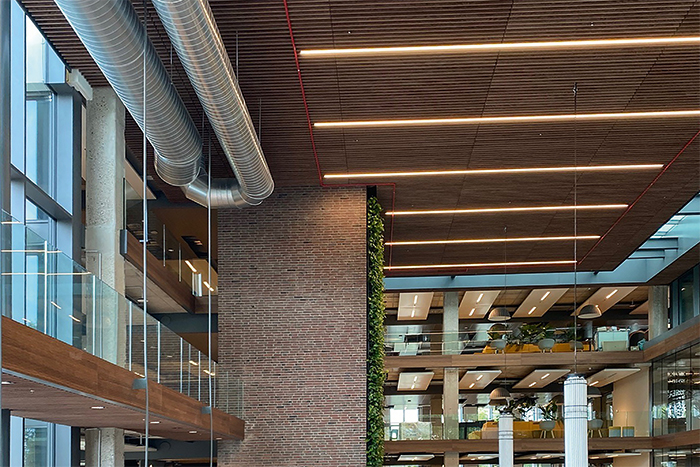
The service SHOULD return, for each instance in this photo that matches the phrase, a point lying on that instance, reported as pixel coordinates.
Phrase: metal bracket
(139, 383)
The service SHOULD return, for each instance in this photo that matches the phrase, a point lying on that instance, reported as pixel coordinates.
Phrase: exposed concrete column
(450, 402)
(451, 459)
(658, 310)
(450, 324)
(450, 408)
(104, 204)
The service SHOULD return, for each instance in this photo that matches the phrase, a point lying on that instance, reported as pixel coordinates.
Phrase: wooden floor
(52, 381)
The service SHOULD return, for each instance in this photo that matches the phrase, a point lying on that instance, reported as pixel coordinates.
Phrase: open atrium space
(350, 233)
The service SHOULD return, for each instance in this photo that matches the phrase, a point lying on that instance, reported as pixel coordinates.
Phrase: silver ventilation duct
(193, 32)
(114, 36)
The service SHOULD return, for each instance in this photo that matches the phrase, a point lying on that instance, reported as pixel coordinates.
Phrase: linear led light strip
(508, 119)
(518, 209)
(465, 48)
(480, 265)
(429, 173)
(494, 240)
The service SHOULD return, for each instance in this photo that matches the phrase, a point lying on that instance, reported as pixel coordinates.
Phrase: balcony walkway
(56, 382)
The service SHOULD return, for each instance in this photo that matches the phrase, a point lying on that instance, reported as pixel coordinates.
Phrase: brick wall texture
(292, 326)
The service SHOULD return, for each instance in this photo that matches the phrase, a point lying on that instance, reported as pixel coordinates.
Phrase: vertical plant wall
(375, 334)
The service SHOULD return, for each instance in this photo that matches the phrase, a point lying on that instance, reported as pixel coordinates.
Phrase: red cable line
(313, 140)
(629, 208)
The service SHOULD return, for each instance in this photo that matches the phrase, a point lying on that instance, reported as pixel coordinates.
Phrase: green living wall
(375, 334)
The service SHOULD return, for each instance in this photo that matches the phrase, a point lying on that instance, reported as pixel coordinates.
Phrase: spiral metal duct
(192, 29)
(114, 36)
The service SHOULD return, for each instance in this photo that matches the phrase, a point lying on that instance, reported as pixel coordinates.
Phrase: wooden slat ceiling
(470, 85)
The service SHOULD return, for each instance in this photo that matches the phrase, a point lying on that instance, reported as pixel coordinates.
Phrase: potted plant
(549, 416)
(539, 334)
(497, 334)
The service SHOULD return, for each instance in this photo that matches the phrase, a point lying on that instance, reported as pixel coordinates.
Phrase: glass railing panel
(433, 427)
(510, 340)
(46, 290)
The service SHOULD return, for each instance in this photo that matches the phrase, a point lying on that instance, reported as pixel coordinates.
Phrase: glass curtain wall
(36, 152)
(676, 392)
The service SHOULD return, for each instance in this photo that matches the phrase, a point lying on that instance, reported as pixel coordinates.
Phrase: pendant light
(499, 396)
(590, 312)
(501, 314)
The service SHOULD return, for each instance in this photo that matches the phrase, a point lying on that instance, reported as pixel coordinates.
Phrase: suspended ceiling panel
(538, 302)
(476, 303)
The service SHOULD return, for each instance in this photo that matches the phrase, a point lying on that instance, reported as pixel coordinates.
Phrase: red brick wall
(292, 325)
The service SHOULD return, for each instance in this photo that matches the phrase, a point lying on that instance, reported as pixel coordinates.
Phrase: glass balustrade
(509, 340)
(47, 291)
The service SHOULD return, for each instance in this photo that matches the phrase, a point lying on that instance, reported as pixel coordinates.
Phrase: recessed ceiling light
(511, 119)
(495, 240)
(192, 362)
(481, 295)
(7, 382)
(517, 209)
(478, 378)
(488, 47)
(545, 376)
(471, 313)
(611, 294)
(471, 385)
(192, 268)
(480, 265)
(97, 407)
(531, 310)
(192, 432)
(155, 423)
(544, 297)
(532, 384)
(426, 173)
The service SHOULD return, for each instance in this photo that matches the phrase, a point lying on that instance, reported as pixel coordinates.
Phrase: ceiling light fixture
(479, 265)
(509, 119)
(590, 312)
(499, 314)
(531, 310)
(192, 268)
(566, 207)
(490, 47)
(471, 313)
(495, 240)
(532, 384)
(481, 295)
(471, 385)
(97, 407)
(428, 173)
(478, 378)
(545, 376)
(607, 297)
(415, 300)
(500, 394)
(544, 297)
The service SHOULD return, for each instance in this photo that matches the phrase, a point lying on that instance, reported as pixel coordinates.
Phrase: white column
(104, 174)
(575, 422)
(505, 440)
